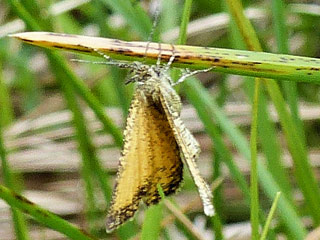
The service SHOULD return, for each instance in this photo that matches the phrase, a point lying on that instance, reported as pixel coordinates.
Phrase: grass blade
(19, 221)
(254, 194)
(257, 64)
(303, 171)
(151, 227)
(279, 15)
(42, 216)
(270, 215)
(209, 110)
(5, 104)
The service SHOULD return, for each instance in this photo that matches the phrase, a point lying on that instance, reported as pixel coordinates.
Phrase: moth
(156, 145)
(156, 141)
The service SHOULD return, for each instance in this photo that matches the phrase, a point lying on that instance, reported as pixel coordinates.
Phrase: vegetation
(61, 121)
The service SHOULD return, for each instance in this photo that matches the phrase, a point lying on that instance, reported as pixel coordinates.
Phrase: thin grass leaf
(304, 174)
(279, 15)
(42, 216)
(78, 85)
(182, 40)
(209, 110)
(249, 63)
(184, 22)
(217, 195)
(151, 227)
(90, 99)
(236, 42)
(270, 145)
(183, 222)
(183, 31)
(5, 102)
(135, 16)
(254, 189)
(85, 145)
(18, 219)
(254, 193)
(270, 216)
(19, 222)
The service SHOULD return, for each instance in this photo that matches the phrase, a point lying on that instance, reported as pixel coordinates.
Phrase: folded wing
(189, 150)
(150, 157)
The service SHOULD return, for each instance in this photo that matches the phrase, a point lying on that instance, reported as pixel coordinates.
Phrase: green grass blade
(91, 100)
(85, 146)
(184, 22)
(183, 32)
(279, 15)
(209, 110)
(249, 63)
(181, 40)
(303, 171)
(19, 9)
(270, 145)
(217, 195)
(254, 189)
(151, 227)
(19, 221)
(270, 216)
(78, 85)
(5, 102)
(42, 216)
(135, 16)
(91, 166)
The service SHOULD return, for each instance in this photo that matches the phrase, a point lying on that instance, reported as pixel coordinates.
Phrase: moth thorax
(150, 87)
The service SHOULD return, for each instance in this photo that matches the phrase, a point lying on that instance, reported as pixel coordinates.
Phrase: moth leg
(189, 73)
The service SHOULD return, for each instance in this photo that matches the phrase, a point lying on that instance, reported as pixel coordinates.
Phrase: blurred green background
(56, 148)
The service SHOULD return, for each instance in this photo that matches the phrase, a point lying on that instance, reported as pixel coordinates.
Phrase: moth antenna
(98, 62)
(171, 59)
(155, 20)
(159, 56)
(109, 60)
(154, 25)
(189, 74)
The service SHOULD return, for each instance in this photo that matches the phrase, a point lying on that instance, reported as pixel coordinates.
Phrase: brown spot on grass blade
(22, 199)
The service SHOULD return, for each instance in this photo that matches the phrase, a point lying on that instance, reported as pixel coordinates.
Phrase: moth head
(142, 73)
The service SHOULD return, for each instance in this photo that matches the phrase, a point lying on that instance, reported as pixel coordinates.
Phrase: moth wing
(164, 154)
(133, 172)
(190, 149)
(150, 156)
